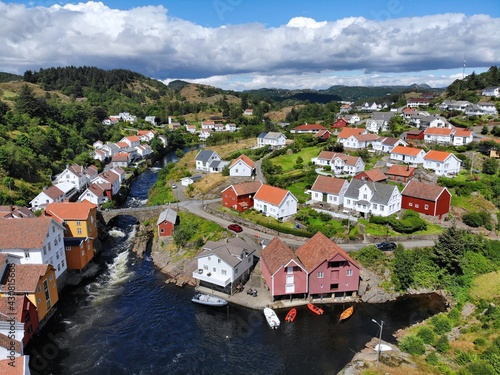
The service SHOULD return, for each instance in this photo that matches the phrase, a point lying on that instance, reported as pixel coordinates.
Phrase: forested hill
(466, 89)
(85, 80)
(8, 77)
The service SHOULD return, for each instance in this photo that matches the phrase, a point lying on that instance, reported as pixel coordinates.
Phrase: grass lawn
(486, 286)
(384, 230)
(298, 189)
(474, 203)
(287, 162)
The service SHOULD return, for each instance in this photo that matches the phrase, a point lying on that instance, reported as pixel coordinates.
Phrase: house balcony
(212, 277)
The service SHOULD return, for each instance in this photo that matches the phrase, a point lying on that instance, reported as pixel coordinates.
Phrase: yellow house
(80, 223)
(37, 282)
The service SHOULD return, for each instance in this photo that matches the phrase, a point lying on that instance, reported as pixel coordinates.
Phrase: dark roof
(416, 189)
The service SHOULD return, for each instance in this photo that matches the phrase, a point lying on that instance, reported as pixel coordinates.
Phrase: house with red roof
(242, 166)
(345, 133)
(38, 283)
(282, 270)
(340, 123)
(240, 197)
(442, 163)
(131, 140)
(426, 199)
(307, 128)
(438, 135)
(400, 173)
(96, 194)
(323, 134)
(121, 159)
(275, 202)
(373, 175)
(462, 137)
(146, 135)
(329, 190)
(408, 155)
(23, 312)
(331, 271)
(360, 141)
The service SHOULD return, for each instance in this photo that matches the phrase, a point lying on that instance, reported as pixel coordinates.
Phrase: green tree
(403, 268)
(490, 166)
(450, 248)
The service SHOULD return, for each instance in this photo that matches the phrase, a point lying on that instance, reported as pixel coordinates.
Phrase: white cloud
(303, 52)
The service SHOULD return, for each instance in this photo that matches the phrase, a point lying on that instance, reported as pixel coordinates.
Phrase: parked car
(385, 246)
(174, 186)
(235, 228)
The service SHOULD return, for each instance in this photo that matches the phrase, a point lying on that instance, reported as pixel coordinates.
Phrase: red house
(427, 199)
(330, 269)
(340, 123)
(166, 222)
(240, 196)
(400, 173)
(415, 134)
(24, 312)
(373, 175)
(283, 272)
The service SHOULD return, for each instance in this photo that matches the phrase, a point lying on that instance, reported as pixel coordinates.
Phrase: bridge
(142, 214)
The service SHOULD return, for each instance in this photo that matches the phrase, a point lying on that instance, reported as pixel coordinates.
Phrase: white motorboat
(207, 299)
(272, 318)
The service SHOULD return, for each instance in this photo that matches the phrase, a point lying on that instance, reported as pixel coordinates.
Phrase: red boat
(290, 317)
(315, 309)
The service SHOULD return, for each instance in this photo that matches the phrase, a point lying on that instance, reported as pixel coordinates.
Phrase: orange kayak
(315, 309)
(290, 317)
(346, 313)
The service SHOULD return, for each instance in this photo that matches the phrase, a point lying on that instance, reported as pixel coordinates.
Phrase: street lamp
(381, 325)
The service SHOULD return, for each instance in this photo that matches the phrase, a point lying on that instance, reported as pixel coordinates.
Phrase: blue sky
(241, 44)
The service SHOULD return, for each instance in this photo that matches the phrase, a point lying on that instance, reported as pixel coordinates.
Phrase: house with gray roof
(222, 265)
(166, 222)
(372, 198)
(205, 158)
(276, 140)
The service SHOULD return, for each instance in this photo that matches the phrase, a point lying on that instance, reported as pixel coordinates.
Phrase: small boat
(206, 299)
(290, 317)
(272, 318)
(383, 347)
(346, 313)
(315, 309)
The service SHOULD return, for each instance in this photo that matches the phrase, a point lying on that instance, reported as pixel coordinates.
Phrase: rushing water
(126, 320)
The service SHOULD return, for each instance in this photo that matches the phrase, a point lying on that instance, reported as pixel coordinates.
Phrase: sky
(251, 44)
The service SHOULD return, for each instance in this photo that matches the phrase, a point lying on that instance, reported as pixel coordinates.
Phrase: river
(126, 320)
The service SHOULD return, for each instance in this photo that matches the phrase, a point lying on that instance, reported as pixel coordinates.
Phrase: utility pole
(381, 325)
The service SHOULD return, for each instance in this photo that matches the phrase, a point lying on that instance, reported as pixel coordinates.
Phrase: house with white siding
(329, 190)
(408, 155)
(442, 163)
(242, 166)
(372, 198)
(275, 202)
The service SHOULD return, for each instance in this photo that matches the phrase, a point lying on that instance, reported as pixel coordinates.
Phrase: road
(196, 208)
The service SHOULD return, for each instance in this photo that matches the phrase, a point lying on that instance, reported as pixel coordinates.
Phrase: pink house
(284, 273)
(330, 269)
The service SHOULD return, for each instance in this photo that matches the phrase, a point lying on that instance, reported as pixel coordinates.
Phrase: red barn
(166, 222)
(427, 199)
(415, 134)
(282, 270)
(239, 197)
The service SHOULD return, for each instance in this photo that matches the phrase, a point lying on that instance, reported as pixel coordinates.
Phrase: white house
(111, 178)
(329, 190)
(274, 139)
(340, 163)
(438, 135)
(230, 127)
(146, 135)
(387, 144)
(185, 181)
(190, 128)
(121, 159)
(462, 137)
(442, 163)
(74, 174)
(150, 119)
(488, 108)
(360, 141)
(242, 166)
(95, 193)
(207, 125)
(409, 155)
(372, 198)
(131, 140)
(224, 264)
(374, 126)
(275, 202)
(491, 91)
(144, 150)
(204, 158)
(99, 155)
(48, 195)
(38, 240)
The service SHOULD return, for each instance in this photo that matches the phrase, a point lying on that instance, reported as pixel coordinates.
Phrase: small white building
(372, 198)
(442, 163)
(408, 155)
(275, 202)
(242, 166)
(329, 190)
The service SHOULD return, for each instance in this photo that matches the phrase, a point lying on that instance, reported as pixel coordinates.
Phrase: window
(349, 273)
(289, 270)
(78, 223)
(321, 274)
(219, 261)
(44, 250)
(416, 205)
(209, 258)
(426, 206)
(205, 267)
(51, 277)
(49, 246)
(214, 269)
(26, 254)
(224, 272)
(79, 230)
(410, 204)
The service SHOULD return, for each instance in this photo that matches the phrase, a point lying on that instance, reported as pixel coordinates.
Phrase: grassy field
(486, 286)
(298, 189)
(288, 161)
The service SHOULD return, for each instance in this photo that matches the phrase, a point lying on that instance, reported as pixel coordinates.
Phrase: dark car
(384, 246)
(235, 228)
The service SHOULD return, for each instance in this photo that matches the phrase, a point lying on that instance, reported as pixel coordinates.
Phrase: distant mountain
(339, 92)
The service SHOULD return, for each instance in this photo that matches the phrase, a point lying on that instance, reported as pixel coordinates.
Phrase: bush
(478, 368)
(441, 324)
(476, 219)
(427, 335)
(442, 345)
(432, 359)
(368, 255)
(413, 345)
(480, 341)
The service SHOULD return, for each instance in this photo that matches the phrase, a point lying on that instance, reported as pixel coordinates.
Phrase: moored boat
(290, 317)
(206, 299)
(271, 317)
(346, 313)
(315, 309)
